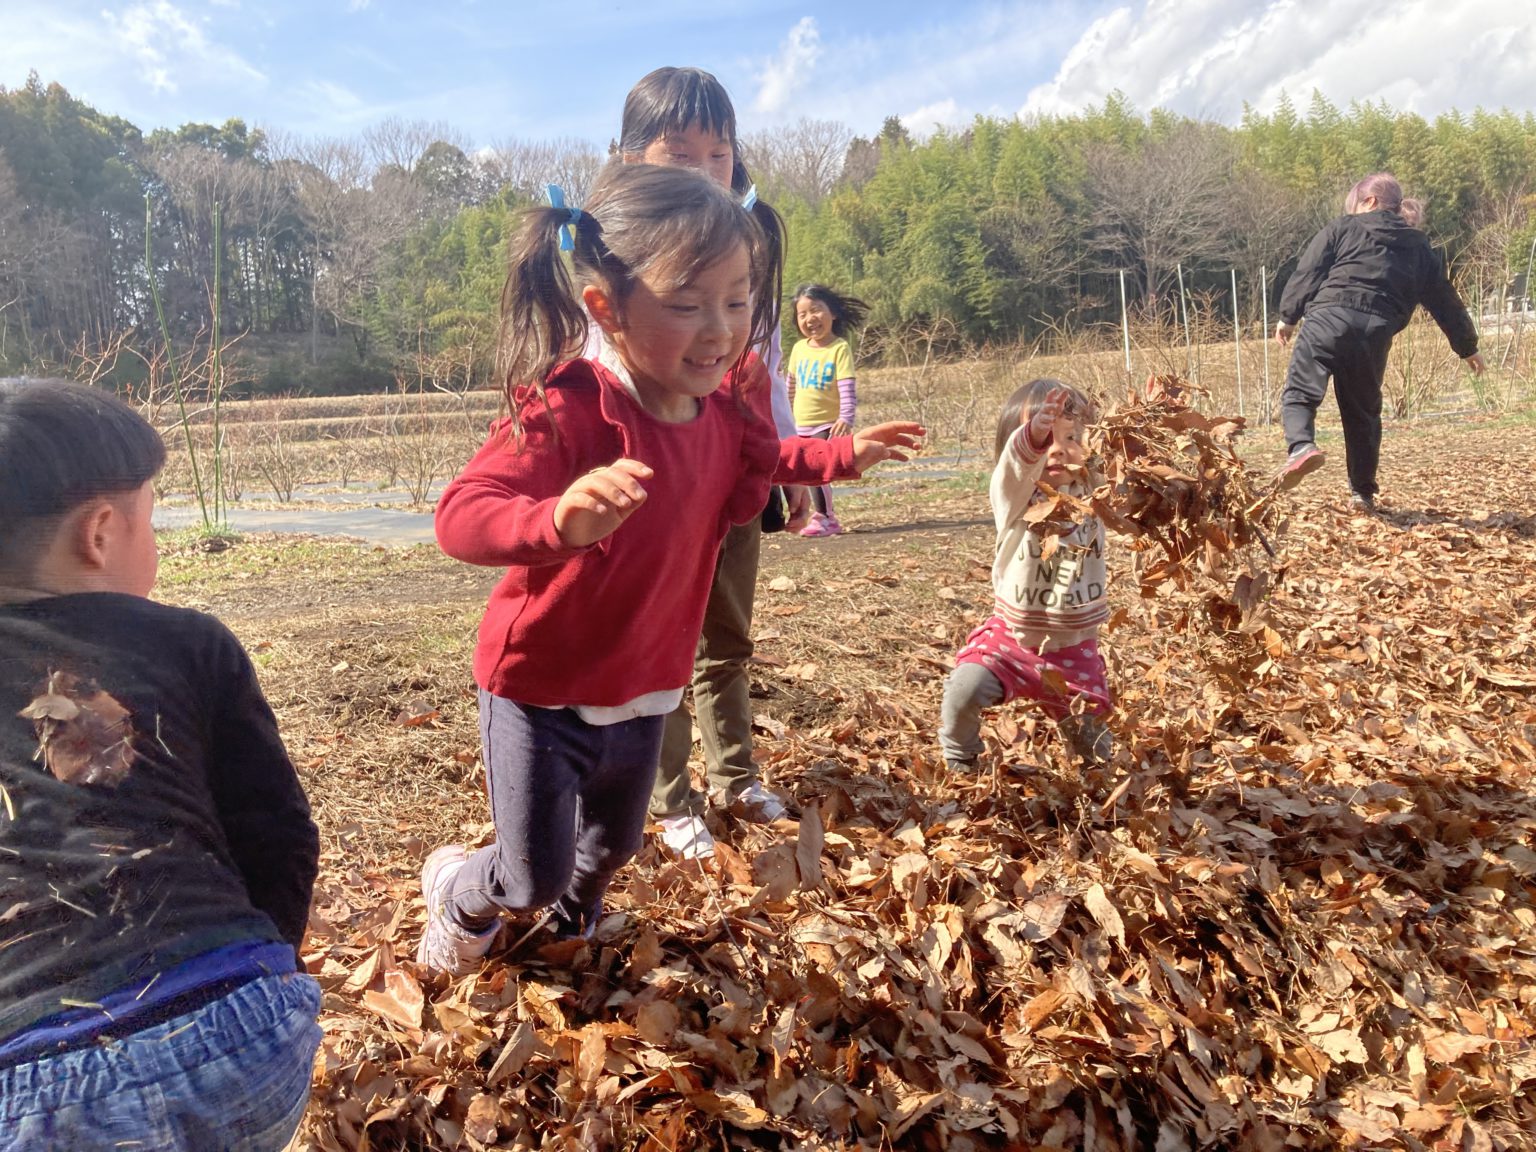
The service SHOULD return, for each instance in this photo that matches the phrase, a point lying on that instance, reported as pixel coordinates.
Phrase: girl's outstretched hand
(886, 442)
(593, 507)
(1043, 422)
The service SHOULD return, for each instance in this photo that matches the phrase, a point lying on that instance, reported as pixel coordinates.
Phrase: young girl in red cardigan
(606, 494)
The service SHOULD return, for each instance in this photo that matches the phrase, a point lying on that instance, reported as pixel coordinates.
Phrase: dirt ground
(1297, 911)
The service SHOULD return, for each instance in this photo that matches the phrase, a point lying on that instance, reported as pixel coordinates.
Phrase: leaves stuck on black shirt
(83, 733)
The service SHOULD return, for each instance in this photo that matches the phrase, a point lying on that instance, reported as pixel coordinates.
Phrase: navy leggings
(568, 800)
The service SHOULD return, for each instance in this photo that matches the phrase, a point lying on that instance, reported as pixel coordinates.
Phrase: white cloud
(944, 64)
(357, 5)
(169, 45)
(1206, 57)
(944, 113)
(330, 101)
(790, 72)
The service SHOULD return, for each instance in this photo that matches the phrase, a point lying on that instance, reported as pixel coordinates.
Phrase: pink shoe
(1304, 460)
(822, 525)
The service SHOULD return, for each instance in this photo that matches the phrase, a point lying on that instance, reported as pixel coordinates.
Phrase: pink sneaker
(1304, 460)
(822, 525)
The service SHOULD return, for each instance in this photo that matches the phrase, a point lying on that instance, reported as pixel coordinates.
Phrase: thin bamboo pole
(1237, 344)
(216, 366)
(178, 389)
(1125, 324)
(1269, 406)
(1189, 352)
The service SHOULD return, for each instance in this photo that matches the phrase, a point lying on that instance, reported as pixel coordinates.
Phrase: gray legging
(568, 800)
(969, 689)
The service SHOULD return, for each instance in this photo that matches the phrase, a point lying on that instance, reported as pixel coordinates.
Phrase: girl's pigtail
(542, 320)
(851, 313)
(768, 262)
(770, 283)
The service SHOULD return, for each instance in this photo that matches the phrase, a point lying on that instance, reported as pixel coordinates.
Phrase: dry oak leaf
(1043, 916)
(480, 1123)
(83, 734)
(400, 1001)
(808, 847)
(1105, 912)
(416, 713)
(1448, 1047)
(1342, 1046)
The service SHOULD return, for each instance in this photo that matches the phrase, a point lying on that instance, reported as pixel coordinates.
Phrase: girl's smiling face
(679, 340)
(814, 319)
(696, 148)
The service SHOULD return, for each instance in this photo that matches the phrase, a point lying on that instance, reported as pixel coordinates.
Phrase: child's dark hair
(669, 100)
(62, 444)
(1027, 399)
(848, 312)
(674, 100)
(638, 217)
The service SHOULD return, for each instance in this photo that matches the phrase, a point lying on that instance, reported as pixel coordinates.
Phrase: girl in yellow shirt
(821, 380)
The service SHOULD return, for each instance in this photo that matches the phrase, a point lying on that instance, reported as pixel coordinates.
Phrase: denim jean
(232, 1075)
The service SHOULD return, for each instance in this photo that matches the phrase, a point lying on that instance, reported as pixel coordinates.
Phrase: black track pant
(1351, 347)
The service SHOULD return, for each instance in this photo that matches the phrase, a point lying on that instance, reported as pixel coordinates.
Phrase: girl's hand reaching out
(886, 442)
(1043, 423)
(596, 504)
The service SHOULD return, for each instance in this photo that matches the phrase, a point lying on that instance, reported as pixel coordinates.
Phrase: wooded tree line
(392, 243)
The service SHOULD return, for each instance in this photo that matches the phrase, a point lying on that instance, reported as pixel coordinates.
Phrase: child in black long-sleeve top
(1358, 283)
(157, 855)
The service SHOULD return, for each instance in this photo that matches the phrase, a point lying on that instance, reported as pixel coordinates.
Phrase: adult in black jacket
(1357, 284)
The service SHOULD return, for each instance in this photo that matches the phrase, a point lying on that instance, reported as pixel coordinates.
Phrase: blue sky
(498, 70)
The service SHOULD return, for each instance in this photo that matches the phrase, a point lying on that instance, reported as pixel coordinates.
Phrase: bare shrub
(414, 448)
(1421, 370)
(345, 451)
(272, 451)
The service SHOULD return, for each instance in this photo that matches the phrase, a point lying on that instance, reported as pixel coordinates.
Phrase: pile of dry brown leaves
(1295, 912)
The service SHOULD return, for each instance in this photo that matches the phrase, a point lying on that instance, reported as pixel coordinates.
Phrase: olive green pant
(722, 700)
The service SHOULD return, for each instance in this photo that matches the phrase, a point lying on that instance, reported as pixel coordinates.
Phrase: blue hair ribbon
(749, 201)
(557, 200)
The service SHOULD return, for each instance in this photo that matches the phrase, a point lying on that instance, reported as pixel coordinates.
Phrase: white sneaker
(687, 836)
(446, 947)
(756, 804)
